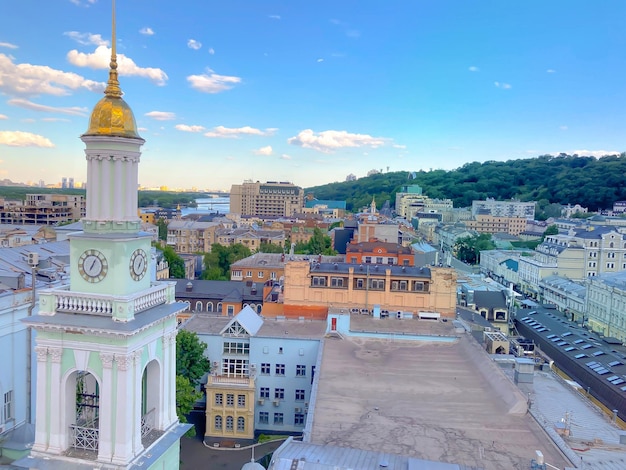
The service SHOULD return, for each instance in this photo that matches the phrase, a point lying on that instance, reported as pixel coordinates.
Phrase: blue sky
(310, 92)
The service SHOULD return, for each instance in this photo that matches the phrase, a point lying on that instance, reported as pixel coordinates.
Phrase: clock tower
(106, 344)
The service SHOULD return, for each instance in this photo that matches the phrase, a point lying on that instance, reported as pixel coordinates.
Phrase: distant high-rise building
(70, 183)
(279, 199)
(64, 182)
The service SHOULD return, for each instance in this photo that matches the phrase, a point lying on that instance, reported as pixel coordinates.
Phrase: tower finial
(113, 85)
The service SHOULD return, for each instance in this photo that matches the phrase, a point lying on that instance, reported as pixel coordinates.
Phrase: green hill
(591, 182)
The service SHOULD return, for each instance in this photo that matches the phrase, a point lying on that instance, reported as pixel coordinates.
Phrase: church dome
(112, 116)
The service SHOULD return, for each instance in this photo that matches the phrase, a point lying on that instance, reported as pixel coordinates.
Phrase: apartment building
(43, 209)
(274, 198)
(504, 208)
(606, 304)
(486, 223)
(249, 237)
(313, 287)
(262, 374)
(410, 201)
(188, 236)
(378, 252)
(270, 267)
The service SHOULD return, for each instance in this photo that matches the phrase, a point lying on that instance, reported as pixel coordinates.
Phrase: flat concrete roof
(431, 400)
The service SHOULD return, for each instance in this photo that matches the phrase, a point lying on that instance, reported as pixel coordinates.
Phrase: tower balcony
(124, 308)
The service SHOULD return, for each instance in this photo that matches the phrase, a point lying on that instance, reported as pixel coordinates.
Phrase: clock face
(138, 264)
(93, 266)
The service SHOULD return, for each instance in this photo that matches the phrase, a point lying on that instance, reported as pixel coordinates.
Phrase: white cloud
(86, 39)
(550, 71)
(211, 51)
(473, 68)
(236, 132)
(563, 128)
(28, 79)
(51, 119)
(161, 115)
(186, 128)
(3, 116)
(274, 17)
(284, 156)
(504, 86)
(320, 60)
(211, 82)
(399, 146)
(593, 153)
(85, 3)
(327, 141)
(101, 58)
(142, 129)
(23, 139)
(22, 103)
(264, 150)
(8, 45)
(146, 31)
(193, 44)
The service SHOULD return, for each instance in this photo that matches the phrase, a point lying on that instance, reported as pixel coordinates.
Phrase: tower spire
(113, 85)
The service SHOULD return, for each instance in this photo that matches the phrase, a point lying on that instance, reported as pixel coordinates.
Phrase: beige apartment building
(187, 236)
(484, 223)
(278, 199)
(314, 287)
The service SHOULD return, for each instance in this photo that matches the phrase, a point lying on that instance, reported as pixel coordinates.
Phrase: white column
(124, 414)
(106, 432)
(137, 402)
(105, 188)
(43, 400)
(170, 404)
(90, 186)
(118, 189)
(57, 403)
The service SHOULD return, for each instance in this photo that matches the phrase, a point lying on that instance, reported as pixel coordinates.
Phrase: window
(390, 260)
(353, 259)
(336, 281)
(230, 399)
(377, 284)
(418, 286)
(236, 348)
(405, 262)
(298, 419)
(360, 283)
(264, 417)
(229, 423)
(231, 310)
(235, 367)
(198, 306)
(280, 369)
(248, 273)
(241, 401)
(368, 259)
(299, 395)
(264, 392)
(8, 406)
(265, 368)
(219, 399)
(260, 274)
(279, 394)
(300, 370)
(278, 418)
(272, 275)
(318, 281)
(218, 423)
(241, 424)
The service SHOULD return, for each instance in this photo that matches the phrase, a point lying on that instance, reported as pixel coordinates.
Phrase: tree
(162, 226)
(191, 362)
(468, 248)
(270, 248)
(186, 398)
(176, 263)
(217, 263)
(550, 230)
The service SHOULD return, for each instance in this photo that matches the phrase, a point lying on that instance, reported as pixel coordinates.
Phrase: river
(209, 205)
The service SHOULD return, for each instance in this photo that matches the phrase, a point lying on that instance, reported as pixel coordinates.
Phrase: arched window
(209, 307)
(219, 307)
(245, 305)
(258, 309)
(229, 423)
(188, 308)
(198, 306)
(241, 424)
(611, 245)
(218, 423)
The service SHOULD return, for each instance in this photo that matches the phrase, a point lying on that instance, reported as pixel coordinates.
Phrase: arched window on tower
(198, 306)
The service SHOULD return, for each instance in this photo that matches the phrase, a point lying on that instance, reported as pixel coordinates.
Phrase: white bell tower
(106, 346)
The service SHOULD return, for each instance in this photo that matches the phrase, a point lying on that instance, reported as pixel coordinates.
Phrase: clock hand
(92, 265)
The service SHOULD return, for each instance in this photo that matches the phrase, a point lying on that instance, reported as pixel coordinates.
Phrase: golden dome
(112, 116)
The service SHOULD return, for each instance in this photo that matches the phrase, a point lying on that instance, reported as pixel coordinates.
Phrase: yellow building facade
(230, 408)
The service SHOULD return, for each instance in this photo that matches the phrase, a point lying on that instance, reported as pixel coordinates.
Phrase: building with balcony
(249, 237)
(43, 209)
(278, 199)
(486, 223)
(188, 236)
(606, 305)
(270, 267)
